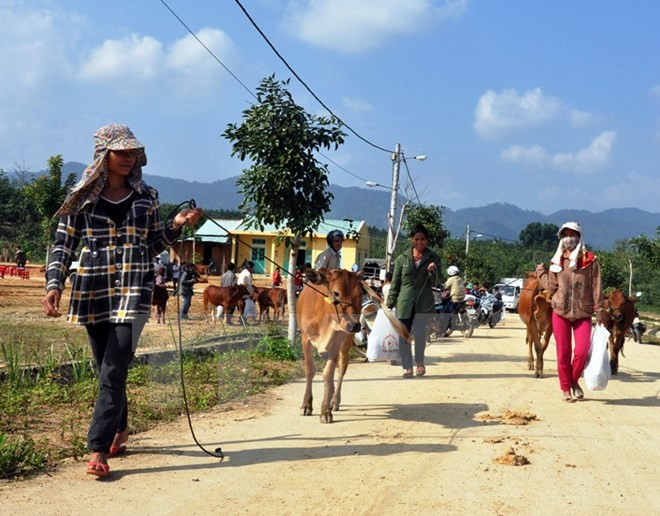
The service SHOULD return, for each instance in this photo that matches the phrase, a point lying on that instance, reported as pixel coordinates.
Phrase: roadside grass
(45, 410)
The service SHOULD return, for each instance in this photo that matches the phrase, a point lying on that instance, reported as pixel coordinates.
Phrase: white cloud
(34, 49)
(186, 54)
(356, 105)
(589, 159)
(143, 58)
(502, 113)
(534, 155)
(356, 27)
(592, 157)
(126, 59)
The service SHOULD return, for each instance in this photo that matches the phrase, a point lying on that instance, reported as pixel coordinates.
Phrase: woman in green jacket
(412, 295)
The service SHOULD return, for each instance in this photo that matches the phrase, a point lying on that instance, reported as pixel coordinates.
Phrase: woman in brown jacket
(575, 284)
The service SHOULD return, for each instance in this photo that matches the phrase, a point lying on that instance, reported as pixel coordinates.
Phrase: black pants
(113, 346)
(416, 325)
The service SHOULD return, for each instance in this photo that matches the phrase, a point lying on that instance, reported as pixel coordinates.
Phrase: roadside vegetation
(45, 409)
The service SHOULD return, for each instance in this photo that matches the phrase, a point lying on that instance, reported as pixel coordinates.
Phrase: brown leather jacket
(576, 293)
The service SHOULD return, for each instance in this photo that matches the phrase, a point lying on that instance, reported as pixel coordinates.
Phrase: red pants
(570, 371)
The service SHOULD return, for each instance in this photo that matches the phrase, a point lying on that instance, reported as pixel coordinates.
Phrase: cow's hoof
(306, 411)
(538, 375)
(326, 418)
(530, 367)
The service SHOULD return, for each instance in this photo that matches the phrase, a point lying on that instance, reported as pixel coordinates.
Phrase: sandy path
(396, 447)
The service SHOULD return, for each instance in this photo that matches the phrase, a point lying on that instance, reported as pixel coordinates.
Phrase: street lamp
(467, 239)
(397, 156)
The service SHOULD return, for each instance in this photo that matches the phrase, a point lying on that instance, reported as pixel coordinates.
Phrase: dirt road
(397, 446)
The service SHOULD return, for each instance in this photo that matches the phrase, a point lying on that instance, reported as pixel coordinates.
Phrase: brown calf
(274, 298)
(619, 316)
(535, 311)
(328, 314)
(227, 297)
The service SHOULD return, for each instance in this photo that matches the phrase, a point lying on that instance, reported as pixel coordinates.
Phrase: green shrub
(18, 456)
(275, 345)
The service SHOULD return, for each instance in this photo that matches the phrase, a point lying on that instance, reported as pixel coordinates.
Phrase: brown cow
(271, 298)
(159, 300)
(619, 316)
(328, 314)
(535, 311)
(227, 297)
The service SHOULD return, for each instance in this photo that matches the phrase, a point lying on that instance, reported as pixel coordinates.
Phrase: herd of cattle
(328, 314)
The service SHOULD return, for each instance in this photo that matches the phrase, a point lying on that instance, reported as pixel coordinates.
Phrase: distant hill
(499, 220)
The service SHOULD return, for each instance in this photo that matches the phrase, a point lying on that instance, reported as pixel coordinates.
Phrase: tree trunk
(291, 288)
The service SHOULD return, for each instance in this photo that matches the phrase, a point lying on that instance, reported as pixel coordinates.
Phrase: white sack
(383, 341)
(597, 372)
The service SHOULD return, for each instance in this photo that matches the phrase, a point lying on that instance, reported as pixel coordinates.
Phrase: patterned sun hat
(118, 137)
(109, 137)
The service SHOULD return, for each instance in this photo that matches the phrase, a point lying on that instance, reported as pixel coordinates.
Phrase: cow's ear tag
(328, 300)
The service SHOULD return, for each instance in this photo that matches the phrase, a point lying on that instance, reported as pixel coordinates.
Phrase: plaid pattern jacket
(115, 277)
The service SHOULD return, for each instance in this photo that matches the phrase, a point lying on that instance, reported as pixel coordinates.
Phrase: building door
(258, 256)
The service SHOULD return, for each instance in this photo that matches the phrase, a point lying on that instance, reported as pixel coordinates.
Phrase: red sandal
(97, 469)
(117, 450)
(421, 370)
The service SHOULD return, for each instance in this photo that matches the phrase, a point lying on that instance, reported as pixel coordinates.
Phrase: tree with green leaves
(431, 217)
(286, 185)
(47, 194)
(539, 236)
(648, 248)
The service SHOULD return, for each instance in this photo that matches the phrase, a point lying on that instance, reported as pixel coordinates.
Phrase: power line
(208, 49)
(411, 180)
(343, 168)
(254, 24)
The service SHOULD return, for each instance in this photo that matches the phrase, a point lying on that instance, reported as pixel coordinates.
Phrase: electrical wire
(207, 48)
(405, 162)
(343, 168)
(311, 92)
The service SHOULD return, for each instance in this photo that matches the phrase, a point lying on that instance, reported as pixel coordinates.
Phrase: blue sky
(543, 104)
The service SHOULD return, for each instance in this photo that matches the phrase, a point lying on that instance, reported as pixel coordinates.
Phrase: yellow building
(262, 248)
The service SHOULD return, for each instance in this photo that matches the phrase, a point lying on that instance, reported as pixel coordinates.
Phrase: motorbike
(447, 321)
(637, 329)
(490, 310)
(367, 318)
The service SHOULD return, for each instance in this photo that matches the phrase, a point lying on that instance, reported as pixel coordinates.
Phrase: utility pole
(467, 240)
(389, 246)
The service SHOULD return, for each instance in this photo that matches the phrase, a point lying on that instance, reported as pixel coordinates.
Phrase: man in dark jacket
(186, 282)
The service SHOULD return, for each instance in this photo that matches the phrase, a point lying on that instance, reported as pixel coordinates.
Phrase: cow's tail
(398, 325)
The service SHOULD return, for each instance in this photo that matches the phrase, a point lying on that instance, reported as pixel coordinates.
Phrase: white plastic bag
(383, 341)
(597, 372)
(250, 309)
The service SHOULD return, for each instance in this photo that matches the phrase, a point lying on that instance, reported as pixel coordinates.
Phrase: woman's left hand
(431, 267)
(188, 216)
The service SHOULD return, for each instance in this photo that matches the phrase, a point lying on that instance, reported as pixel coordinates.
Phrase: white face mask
(569, 242)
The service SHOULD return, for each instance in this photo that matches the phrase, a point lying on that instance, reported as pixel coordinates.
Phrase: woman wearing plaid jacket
(115, 217)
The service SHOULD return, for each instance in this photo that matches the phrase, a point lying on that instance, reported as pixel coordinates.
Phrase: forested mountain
(497, 220)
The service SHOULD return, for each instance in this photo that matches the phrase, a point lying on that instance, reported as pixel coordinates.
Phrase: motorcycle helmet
(452, 270)
(335, 234)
